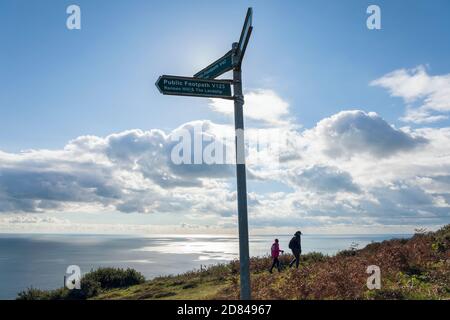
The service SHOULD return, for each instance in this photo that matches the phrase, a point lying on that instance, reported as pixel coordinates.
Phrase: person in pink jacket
(275, 250)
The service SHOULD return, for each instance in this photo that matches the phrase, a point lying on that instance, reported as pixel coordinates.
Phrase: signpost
(202, 86)
(185, 86)
(244, 256)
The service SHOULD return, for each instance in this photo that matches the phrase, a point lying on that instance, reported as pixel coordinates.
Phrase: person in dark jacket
(296, 246)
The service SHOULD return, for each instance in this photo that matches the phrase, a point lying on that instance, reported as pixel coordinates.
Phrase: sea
(41, 260)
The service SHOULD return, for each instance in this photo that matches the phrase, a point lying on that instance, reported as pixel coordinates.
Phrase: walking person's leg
(273, 264)
(297, 259)
(278, 265)
(293, 260)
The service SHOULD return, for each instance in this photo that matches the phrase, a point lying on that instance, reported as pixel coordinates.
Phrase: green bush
(92, 284)
(33, 294)
(109, 278)
(59, 294)
(313, 257)
(346, 253)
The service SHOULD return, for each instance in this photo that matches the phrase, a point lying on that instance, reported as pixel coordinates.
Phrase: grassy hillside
(418, 268)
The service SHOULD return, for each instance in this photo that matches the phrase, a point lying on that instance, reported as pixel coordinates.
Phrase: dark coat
(295, 243)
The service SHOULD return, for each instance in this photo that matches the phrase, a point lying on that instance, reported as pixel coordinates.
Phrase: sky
(86, 138)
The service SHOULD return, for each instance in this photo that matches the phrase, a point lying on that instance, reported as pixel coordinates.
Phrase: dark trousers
(296, 260)
(276, 263)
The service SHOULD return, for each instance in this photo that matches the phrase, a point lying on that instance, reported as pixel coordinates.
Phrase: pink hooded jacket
(275, 250)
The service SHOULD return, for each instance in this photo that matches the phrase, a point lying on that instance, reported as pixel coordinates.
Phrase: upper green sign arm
(217, 68)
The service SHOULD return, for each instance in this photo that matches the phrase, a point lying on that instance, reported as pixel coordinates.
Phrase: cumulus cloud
(323, 179)
(354, 132)
(28, 189)
(355, 168)
(427, 97)
(351, 168)
(131, 171)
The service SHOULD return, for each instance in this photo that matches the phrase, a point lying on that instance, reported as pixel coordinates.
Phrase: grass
(192, 286)
(416, 268)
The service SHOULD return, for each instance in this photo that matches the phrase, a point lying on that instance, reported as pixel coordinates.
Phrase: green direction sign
(217, 68)
(246, 31)
(184, 86)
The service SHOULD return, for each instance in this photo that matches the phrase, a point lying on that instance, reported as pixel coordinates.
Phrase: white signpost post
(202, 85)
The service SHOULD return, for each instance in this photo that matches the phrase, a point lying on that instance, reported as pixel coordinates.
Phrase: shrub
(313, 257)
(89, 288)
(346, 253)
(109, 278)
(92, 284)
(33, 294)
(59, 294)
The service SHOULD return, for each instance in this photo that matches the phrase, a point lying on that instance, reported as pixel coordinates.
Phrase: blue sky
(316, 56)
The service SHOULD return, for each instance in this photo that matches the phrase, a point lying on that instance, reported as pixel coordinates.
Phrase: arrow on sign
(217, 68)
(245, 34)
(185, 86)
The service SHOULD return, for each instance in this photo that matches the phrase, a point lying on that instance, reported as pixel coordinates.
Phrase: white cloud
(350, 169)
(323, 179)
(349, 133)
(129, 171)
(430, 93)
(264, 106)
(354, 168)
